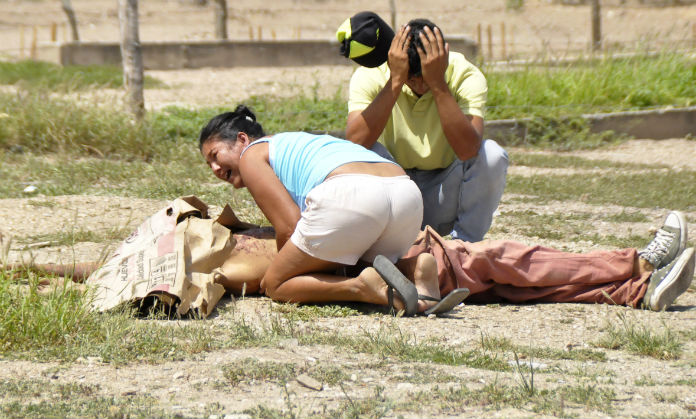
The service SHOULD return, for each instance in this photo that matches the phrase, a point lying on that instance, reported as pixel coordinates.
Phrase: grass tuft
(641, 340)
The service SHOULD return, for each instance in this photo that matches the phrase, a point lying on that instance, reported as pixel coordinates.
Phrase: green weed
(48, 76)
(43, 398)
(664, 189)
(639, 339)
(598, 85)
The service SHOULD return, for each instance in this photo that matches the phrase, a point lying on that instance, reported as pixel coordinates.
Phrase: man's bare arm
(463, 132)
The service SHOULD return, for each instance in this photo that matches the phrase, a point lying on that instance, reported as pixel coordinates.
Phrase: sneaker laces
(657, 249)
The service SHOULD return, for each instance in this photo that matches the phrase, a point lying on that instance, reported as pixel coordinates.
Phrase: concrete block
(200, 54)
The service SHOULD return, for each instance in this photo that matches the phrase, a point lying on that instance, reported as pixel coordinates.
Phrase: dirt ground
(542, 27)
(189, 385)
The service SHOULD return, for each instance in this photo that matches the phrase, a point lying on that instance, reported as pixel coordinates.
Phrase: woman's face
(223, 159)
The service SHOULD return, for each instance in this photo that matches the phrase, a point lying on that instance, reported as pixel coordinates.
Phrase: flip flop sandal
(446, 304)
(396, 281)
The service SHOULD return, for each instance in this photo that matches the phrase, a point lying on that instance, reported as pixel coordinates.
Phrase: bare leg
(79, 272)
(295, 276)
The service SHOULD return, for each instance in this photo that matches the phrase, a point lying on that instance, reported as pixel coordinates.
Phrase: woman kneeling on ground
(332, 203)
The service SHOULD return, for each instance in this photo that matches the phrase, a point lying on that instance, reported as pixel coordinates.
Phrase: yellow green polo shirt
(413, 134)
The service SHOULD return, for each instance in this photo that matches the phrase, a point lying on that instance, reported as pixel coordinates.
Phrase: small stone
(179, 375)
(129, 392)
(309, 382)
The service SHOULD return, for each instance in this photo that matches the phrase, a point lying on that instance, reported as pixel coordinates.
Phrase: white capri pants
(356, 216)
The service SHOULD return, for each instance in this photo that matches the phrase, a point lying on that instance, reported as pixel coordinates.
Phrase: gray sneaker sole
(683, 232)
(676, 282)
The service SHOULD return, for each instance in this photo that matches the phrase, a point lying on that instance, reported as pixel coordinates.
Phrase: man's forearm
(365, 127)
(462, 132)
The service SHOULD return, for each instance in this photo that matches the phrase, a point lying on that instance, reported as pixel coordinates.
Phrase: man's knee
(495, 158)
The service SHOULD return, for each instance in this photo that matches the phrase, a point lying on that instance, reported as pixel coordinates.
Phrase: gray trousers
(460, 200)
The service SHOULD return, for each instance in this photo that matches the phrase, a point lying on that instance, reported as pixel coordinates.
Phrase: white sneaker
(670, 282)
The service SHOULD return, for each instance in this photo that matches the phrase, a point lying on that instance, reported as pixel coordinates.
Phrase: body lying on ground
(500, 270)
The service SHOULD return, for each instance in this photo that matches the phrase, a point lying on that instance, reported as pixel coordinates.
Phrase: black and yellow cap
(365, 38)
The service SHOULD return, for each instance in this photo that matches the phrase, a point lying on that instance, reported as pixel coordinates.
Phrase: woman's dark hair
(416, 27)
(227, 125)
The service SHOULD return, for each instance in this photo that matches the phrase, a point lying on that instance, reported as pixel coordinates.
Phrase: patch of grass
(309, 312)
(375, 406)
(420, 374)
(63, 175)
(43, 398)
(498, 396)
(560, 160)
(41, 203)
(597, 85)
(556, 226)
(505, 345)
(664, 189)
(627, 216)
(565, 133)
(60, 325)
(394, 343)
(71, 237)
(248, 370)
(49, 76)
(639, 339)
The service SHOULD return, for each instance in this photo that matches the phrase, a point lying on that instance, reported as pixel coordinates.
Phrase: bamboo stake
(478, 38)
(489, 32)
(33, 43)
(502, 40)
(21, 41)
(251, 33)
(259, 33)
(54, 32)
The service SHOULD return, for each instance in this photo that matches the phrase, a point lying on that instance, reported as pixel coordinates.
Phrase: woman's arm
(268, 192)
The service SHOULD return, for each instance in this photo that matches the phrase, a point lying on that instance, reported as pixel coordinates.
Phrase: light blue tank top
(302, 160)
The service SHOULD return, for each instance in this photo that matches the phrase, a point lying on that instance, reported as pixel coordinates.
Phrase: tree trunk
(220, 19)
(67, 8)
(596, 26)
(132, 57)
(392, 9)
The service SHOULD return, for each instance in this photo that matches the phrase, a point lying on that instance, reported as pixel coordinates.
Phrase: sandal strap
(427, 298)
(390, 298)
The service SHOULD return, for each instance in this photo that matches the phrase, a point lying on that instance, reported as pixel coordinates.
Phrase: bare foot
(374, 289)
(425, 278)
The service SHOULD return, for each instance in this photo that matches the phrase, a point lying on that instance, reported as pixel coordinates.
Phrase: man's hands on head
(434, 57)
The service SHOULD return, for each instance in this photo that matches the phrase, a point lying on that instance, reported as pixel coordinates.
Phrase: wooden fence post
(489, 32)
(21, 41)
(32, 50)
(502, 40)
(478, 39)
(54, 32)
(220, 19)
(596, 26)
